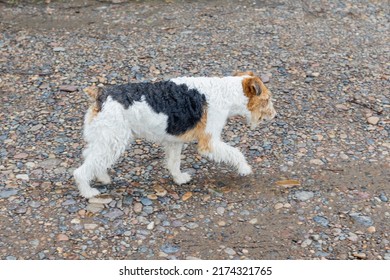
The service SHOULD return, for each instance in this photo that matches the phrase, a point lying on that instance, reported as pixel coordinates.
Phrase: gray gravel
(327, 64)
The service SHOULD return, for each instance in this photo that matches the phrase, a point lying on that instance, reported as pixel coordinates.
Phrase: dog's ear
(252, 86)
(246, 73)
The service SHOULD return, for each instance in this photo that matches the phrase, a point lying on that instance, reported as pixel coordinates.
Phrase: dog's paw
(245, 170)
(182, 178)
(91, 192)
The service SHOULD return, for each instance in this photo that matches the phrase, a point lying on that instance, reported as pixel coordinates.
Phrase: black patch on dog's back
(184, 107)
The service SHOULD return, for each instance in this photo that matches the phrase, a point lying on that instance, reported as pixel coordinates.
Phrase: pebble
(230, 251)
(253, 221)
(62, 237)
(8, 193)
(21, 210)
(23, 177)
(383, 197)
(387, 256)
(316, 162)
(278, 205)
(146, 201)
(321, 220)
(34, 204)
(100, 199)
(371, 229)
(168, 248)
(220, 211)
(304, 195)
(150, 226)
(361, 219)
(192, 225)
(68, 88)
(373, 120)
(306, 243)
(50, 163)
(353, 237)
(90, 226)
(59, 49)
(94, 208)
(137, 207)
(360, 255)
(113, 214)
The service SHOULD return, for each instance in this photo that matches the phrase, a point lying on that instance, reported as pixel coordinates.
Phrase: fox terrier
(171, 113)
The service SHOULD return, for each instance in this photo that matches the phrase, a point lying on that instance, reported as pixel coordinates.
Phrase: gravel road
(321, 182)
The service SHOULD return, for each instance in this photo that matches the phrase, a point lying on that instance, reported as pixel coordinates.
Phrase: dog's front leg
(222, 152)
(172, 153)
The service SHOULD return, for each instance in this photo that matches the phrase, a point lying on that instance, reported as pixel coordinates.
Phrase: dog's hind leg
(172, 153)
(105, 146)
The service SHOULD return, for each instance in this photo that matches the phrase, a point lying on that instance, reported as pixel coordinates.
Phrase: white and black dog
(171, 113)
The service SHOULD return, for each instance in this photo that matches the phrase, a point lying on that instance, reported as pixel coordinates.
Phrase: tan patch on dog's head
(199, 133)
(259, 100)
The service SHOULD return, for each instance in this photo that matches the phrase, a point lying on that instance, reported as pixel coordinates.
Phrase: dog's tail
(93, 92)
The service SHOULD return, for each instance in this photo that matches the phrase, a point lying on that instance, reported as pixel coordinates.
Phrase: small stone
(59, 49)
(150, 226)
(170, 248)
(160, 191)
(373, 120)
(321, 220)
(192, 225)
(127, 200)
(10, 258)
(21, 156)
(304, 195)
(137, 207)
(101, 199)
(30, 165)
(230, 251)
(8, 193)
(21, 210)
(146, 201)
(90, 226)
(387, 256)
(278, 205)
(353, 237)
(114, 214)
(360, 255)
(50, 163)
(360, 219)
(253, 221)
(94, 208)
(220, 211)
(186, 196)
(62, 237)
(383, 197)
(306, 243)
(68, 88)
(371, 229)
(152, 196)
(342, 107)
(316, 162)
(36, 127)
(23, 177)
(34, 204)
(222, 223)
(265, 78)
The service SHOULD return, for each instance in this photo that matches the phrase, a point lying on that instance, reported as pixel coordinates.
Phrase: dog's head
(259, 99)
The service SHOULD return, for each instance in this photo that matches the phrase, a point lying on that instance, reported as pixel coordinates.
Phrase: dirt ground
(327, 64)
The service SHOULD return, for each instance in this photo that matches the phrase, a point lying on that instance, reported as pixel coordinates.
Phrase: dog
(171, 113)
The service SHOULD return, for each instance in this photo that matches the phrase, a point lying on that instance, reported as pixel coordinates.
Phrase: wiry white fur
(108, 133)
